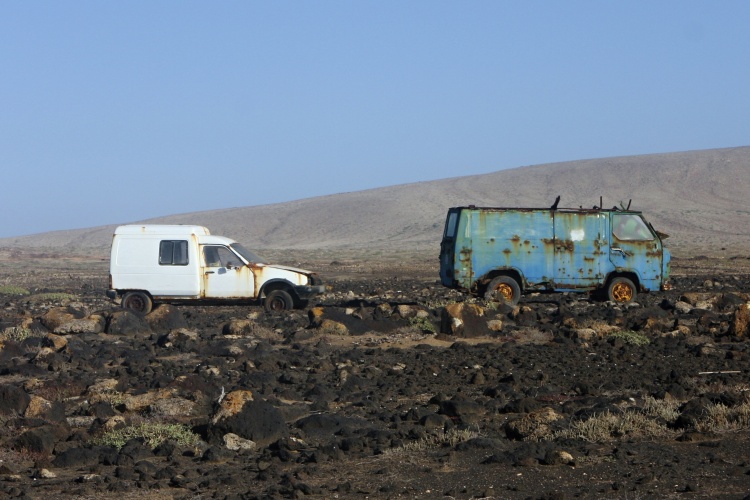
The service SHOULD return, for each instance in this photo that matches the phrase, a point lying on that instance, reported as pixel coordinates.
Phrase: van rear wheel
(622, 290)
(138, 302)
(278, 300)
(503, 289)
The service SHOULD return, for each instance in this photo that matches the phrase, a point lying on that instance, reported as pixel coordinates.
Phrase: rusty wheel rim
(505, 291)
(622, 292)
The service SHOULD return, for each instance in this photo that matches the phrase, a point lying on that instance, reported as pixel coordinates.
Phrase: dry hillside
(699, 197)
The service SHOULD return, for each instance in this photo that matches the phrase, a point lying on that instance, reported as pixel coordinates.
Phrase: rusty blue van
(501, 253)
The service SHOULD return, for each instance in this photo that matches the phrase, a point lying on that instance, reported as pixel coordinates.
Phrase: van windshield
(247, 254)
(629, 227)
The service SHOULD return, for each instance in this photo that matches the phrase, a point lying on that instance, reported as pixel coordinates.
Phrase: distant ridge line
(701, 198)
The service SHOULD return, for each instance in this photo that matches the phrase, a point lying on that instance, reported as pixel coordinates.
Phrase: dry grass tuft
(608, 426)
(652, 421)
(449, 438)
(60, 392)
(721, 418)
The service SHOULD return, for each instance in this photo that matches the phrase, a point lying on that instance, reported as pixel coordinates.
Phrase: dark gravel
(384, 408)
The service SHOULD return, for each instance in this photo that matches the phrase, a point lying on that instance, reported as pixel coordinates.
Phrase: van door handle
(616, 249)
(210, 272)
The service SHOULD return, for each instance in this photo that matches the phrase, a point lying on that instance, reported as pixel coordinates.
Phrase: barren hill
(700, 198)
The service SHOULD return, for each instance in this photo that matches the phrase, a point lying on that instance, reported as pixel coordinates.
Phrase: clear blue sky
(114, 112)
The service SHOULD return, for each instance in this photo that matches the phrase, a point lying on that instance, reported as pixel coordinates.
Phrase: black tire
(139, 302)
(278, 300)
(503, 289)
(622, 290)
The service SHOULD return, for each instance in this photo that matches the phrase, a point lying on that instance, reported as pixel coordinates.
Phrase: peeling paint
(549, 249)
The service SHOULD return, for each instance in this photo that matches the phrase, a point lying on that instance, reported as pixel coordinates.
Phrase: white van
(152, 263)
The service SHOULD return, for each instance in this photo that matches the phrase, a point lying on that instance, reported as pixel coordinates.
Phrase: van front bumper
(307, 291)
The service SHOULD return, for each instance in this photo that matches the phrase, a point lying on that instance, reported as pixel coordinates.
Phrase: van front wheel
(503, 289)
(621, 289)
(278, 300)
(138, 302)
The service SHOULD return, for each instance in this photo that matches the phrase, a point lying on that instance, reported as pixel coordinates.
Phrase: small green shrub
(435, 303)
(13, 290)
(423, 323)
(16, 333)
(152, 433)
(630, 337)
(51, 296)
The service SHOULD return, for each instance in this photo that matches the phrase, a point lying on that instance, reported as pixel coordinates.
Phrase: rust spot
(464, 255)
(464, 258)
(565, 246)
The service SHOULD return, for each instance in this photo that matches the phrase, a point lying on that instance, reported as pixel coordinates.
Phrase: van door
(448, 247)
(225, 275)
(634, 247)
(579, 238)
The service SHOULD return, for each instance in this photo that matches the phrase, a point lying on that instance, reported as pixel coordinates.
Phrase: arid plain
(368, 392)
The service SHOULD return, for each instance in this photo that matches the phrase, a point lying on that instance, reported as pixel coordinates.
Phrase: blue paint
(545, 249)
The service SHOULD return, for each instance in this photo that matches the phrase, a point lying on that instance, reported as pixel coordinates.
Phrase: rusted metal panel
(557, 249)
(228, 283)
(512, 239)
(226, 275)
(578, 248)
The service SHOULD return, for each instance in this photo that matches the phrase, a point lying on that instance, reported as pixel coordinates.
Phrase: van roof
(167, 229)
(547, 209)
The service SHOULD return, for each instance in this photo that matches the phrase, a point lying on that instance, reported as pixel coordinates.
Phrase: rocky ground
(388, 386)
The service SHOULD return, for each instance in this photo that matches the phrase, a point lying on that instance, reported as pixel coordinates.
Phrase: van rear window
(173, 253)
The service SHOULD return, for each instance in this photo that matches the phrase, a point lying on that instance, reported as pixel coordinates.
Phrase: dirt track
(365, 400)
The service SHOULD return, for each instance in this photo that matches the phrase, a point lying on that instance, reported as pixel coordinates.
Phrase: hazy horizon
(122, 112)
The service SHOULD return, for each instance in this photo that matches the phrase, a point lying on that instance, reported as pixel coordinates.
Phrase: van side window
(627, 227)
(173, 253)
